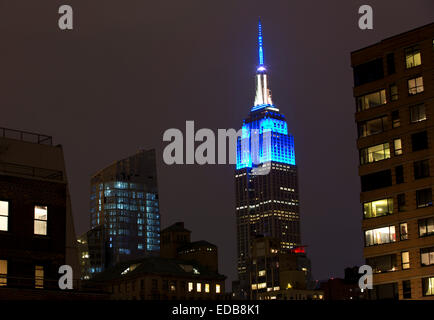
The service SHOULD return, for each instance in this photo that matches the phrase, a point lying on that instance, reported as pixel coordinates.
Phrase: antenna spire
(260, 45)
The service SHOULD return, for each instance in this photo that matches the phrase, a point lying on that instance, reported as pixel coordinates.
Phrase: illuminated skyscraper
(266, 176)
(125, 218)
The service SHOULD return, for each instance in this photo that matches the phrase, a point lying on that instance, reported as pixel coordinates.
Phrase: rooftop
(26, 136)
(156, 265)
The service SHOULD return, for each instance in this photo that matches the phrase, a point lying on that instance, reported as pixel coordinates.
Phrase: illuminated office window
(380, 236)
(3, 273)
(375, 153)
(4, 216)
(427, 256)
(415, 86)
(426, 227)
(39, 277)
(428, 286)
(40, 222)
(397, 146)
(199, 287)
(190, 286)
(405, 258)
(371, 100)
(207, 287)
(403, 231)
(412, 57)
(378, 208)
(217, 288)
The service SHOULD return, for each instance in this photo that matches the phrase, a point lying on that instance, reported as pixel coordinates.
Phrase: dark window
(401, 202)
(393, 92)
(399, 171)
(424, 198)
(419, 141)
(374, 126)
(421, 169)
(390, 63)
(384, 292)
(396, 121)
(426, 227)
(376, 180)
(406, 289)
(427, 256)
(154, 284)
(417, 113)
(383, 263)
(368, 72)
(165, 285)
(428, 286)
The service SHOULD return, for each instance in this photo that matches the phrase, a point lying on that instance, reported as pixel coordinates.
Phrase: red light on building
(301, 249)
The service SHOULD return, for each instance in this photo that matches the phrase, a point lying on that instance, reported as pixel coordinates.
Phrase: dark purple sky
(132, 69)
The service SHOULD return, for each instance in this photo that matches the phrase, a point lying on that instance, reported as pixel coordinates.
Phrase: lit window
(427, 256)
(405, 258)
(262, 285)
(426, 227)
(371, 100)
(375, 153)
(428, 286)
(190, 286)
(207, 287)
(397, 146)
(4, 215)
(3, 273)
(403, 231)
(378, 208)
(415, 85)
(39, 277)
(217, 288)
(412, 57)
(199, 287)
(380, 236)
(417, 113)
(261, 273)
(40, 226)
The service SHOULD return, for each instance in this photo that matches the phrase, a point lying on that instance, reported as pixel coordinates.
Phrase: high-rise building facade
(267, 201)
(124, 211)
(36, 225)
(394, 91)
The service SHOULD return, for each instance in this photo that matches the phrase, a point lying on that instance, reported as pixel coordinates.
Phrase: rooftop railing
(26, 136)
(35, 172)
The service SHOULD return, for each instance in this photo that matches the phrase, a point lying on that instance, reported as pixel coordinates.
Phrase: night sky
(132, 69)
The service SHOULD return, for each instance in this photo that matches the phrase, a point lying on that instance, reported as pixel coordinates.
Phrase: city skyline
(225, 96)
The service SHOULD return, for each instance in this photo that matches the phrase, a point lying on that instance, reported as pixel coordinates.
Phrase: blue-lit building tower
(267, 200)
(124, 212)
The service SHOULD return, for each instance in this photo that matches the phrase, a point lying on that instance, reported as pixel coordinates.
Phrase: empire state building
(267, 200)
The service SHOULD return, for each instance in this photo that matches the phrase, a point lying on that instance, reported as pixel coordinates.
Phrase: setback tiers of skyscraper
(266, 176)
